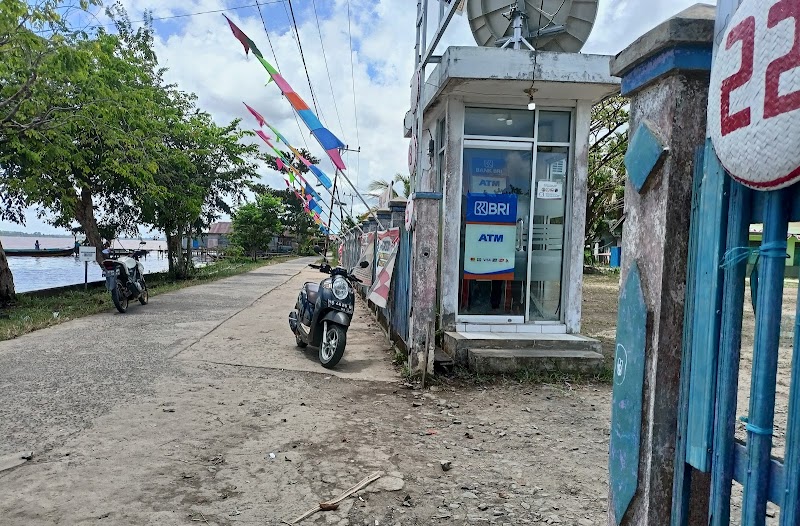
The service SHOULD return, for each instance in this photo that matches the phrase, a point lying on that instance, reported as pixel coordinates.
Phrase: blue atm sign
(490, 236)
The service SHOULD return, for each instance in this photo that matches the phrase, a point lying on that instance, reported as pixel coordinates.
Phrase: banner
(366, 253)
(388, 242)
(490, 239)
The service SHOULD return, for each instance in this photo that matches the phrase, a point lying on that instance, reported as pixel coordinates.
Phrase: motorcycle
(323, 313)
(125, 280)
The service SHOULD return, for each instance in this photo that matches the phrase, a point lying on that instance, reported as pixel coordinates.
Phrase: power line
(355, 106)
(264, 22)
(275, 56)
(185, 15)
(327, 69)
(302, 56)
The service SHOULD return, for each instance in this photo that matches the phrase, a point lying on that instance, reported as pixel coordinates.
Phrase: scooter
(125, 280)
(323, 313)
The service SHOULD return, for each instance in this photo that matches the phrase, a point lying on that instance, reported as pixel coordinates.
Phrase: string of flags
(329, 142)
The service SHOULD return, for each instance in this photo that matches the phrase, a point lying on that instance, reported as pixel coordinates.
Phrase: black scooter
(323, 312)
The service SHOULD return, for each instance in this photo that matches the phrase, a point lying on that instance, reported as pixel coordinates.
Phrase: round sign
(409, 217)
(754, 97)
(412, 155)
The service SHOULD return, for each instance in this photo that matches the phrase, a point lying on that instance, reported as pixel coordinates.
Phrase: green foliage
(255, 224)
(91, 134)
(379, 186)
(39, 56)
(297, 222)
(608, 140)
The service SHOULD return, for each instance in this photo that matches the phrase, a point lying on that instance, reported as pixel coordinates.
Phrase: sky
(363, 105)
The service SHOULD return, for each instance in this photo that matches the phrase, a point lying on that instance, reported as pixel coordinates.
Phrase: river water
(44, 273)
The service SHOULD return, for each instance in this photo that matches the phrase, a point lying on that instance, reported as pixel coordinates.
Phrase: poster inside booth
(491, 236)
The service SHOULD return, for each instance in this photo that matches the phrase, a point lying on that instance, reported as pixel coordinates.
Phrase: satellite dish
(549, 25)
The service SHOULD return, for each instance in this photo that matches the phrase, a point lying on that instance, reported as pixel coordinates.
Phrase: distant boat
(40, 253)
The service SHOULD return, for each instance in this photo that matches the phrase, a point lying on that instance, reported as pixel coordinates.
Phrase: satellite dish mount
(519, 20)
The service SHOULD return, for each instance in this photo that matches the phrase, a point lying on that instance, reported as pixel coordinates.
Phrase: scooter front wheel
(331, 349)
(300, 343)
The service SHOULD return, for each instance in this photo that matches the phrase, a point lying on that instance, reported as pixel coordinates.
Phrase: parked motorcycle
(323, 312)
(125, 280)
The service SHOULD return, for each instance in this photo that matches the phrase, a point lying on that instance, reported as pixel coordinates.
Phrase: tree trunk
(170, 253)
(181, 255)
(7, 292)
(84, 214)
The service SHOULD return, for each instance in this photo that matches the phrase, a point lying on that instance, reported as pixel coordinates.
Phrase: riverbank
(36, 311)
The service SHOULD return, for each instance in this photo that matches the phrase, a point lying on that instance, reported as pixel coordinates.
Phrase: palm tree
(379, 186)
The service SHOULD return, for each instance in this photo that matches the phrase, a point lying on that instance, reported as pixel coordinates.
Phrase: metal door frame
(524, 144)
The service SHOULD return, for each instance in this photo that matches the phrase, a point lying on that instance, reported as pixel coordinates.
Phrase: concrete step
(506, 361)
(457, 341)
(508, 352)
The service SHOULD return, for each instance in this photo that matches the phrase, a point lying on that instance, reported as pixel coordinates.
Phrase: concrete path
(259, 336)
(55, 381)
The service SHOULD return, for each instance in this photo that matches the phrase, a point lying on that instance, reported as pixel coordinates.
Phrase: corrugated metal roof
(223, 227)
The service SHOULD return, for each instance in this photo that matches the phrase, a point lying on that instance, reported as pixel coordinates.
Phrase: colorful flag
(319, 174)
(329, 142)
(258, 116)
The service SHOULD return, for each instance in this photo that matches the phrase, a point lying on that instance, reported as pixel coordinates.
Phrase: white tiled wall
(527, 328)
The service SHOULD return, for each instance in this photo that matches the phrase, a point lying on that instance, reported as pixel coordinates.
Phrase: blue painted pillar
(765, 358)
(790, 512)
(729, 356)
(666, 74)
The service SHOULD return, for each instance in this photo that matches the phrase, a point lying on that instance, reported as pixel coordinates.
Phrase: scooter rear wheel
(332, 348)
(145, 296)
(120, 298)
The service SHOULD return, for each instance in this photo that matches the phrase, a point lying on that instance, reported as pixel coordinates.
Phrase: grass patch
(32, 313)
(531, 377)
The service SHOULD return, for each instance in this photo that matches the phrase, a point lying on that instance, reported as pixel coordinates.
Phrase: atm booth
(507, 138)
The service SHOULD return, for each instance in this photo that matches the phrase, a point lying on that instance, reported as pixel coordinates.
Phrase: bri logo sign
(485, 208)
(492, 208)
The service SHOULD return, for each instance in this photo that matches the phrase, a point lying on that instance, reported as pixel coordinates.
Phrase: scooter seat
(312, 289)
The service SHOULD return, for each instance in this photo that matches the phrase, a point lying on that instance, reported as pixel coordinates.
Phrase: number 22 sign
(754, 97)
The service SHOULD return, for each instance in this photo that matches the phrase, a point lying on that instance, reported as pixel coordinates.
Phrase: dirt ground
(234, 425)
(599, 321)
(237, 426)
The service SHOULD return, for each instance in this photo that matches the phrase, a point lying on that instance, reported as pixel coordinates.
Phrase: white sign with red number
(754, 97)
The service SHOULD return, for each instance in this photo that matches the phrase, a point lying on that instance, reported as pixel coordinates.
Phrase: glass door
(553, 144)
(495, 217)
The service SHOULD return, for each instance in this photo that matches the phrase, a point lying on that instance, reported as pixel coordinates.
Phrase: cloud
(204, 58)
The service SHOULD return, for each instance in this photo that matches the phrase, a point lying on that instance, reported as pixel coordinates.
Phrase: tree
(201, 167)
(608, 142)
(379, 186)
(34, 38)
(96, 167)
(296, 219)
(37, 60)
(255, 224)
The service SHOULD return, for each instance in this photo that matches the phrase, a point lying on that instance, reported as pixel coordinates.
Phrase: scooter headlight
(340, 288)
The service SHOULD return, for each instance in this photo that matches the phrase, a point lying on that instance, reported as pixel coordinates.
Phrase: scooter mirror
(364, 264)
(317, 249)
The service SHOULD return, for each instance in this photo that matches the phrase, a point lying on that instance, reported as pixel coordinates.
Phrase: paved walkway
(55, 381)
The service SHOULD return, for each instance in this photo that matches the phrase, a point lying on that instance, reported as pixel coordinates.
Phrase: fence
(396, 315)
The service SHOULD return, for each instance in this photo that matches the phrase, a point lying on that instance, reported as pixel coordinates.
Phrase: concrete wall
(451, 217)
